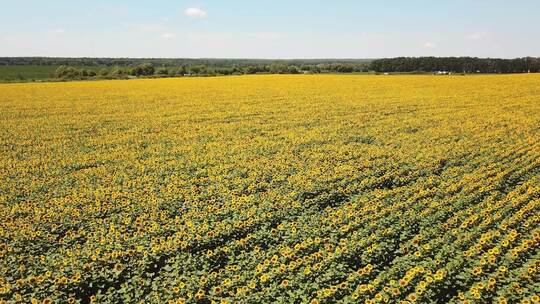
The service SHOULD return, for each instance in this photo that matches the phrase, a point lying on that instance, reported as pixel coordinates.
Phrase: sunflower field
(271, 189)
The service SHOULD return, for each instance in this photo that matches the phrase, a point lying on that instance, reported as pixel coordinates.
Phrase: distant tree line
(173, 62)
(121, 68)
(149, 70)
(456, 65)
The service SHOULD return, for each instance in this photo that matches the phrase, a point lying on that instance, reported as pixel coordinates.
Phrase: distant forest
(30, 68)
(456, 65)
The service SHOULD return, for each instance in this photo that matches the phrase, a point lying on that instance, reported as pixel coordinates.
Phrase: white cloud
(430, 45)
(167, 35)
(195, 12)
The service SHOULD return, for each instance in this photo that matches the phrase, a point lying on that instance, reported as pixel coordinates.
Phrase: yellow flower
(118, 267)
(225, 182)
(200, 294)
(412, 297)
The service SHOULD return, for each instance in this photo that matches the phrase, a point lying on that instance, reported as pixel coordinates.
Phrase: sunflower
(412, 297)
(119, 267)
(200, 294)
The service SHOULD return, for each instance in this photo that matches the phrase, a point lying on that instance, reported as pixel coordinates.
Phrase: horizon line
(258, 58)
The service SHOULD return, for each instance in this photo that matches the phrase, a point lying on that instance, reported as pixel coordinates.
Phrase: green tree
(103, 72)
(67, 72)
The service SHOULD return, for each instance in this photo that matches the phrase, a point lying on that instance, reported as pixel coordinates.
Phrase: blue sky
(270, 29)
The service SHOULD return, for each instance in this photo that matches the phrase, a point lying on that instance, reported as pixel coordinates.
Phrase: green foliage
(456, 65)
(67, 72)
(24, 68)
